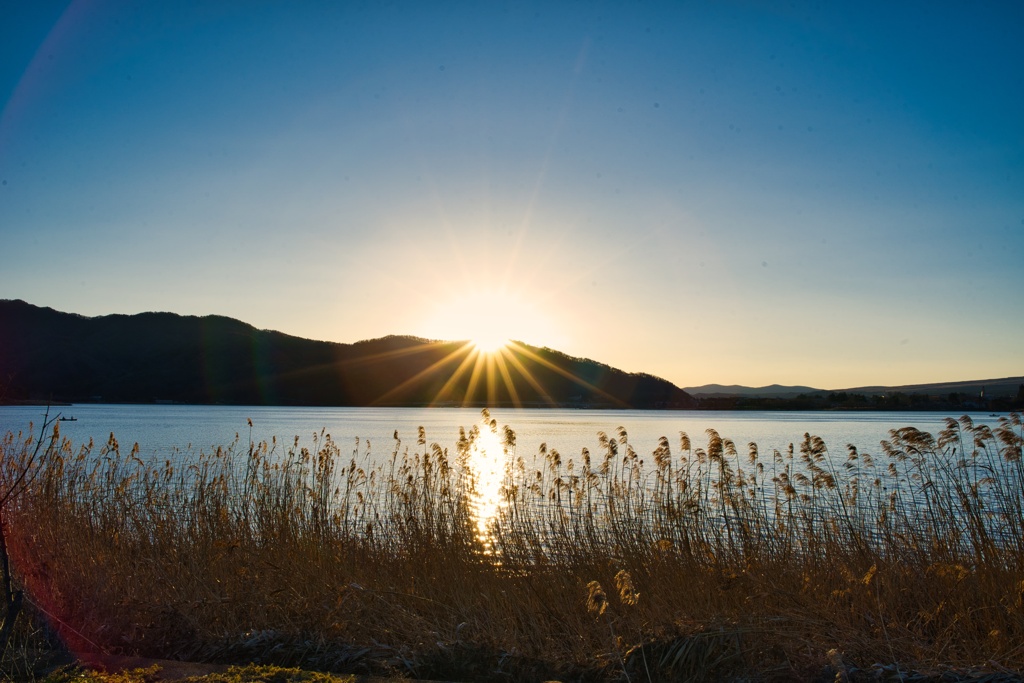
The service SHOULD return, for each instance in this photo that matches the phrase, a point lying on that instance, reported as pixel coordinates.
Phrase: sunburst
(489, 343)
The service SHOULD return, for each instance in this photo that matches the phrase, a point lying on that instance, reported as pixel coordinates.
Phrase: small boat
(69, 419)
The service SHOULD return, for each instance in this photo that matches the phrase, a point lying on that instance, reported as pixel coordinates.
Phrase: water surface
(162, 429)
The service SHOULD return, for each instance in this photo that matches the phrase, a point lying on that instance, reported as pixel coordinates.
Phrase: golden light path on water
(487, 460)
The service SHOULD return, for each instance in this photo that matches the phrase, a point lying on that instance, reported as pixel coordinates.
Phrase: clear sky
(829, 194)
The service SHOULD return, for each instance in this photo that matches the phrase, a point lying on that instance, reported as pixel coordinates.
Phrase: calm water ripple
(160, 430)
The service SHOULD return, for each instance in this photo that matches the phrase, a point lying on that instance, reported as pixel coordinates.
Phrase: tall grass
(687, 563)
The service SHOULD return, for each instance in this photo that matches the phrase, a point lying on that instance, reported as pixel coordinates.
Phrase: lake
(160, 430)
(179, 432)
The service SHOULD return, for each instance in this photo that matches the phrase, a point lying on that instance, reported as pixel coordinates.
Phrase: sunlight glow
(487, 459)
(490, 344)
(475, 377)
(489, 318)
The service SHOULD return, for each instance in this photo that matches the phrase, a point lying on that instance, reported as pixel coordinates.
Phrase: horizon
(463, 343)
(724, 193)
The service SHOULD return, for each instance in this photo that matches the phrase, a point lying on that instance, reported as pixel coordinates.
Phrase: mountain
(732, 390)
(1005, 387)
(47, 355)
(989, 394)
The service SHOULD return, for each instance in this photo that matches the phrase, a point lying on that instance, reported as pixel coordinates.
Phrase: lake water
(175, 431)
(161, 429)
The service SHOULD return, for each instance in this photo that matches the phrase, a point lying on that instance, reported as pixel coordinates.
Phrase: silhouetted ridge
(49, 355)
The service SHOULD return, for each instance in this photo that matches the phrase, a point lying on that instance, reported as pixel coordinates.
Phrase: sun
(489, 323)
(489, 343)
(489, 319)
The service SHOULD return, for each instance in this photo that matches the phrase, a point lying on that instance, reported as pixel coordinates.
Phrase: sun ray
(492, 385)
(474, 379)
(565, 373)
(507, 378)
(542, 392)
(488, 371)
(465, 348)
(459, 372)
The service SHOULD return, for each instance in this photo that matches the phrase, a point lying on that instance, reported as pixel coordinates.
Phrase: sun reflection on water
(487, 459)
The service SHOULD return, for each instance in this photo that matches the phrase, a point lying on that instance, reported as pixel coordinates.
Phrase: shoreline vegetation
(693, 562)
(886, 398)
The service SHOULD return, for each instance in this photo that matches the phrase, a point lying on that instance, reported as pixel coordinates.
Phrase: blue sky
(710, 192)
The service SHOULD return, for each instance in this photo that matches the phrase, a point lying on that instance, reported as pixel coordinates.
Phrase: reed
(683, 564)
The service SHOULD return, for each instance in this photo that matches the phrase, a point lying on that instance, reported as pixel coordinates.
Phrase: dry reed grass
(691, 564)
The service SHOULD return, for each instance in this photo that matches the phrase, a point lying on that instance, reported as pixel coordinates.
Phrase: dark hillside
(46, 355)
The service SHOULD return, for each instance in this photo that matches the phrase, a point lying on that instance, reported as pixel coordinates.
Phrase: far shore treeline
(47, 356)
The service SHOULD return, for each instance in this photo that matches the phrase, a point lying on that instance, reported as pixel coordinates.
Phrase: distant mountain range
(735, 390)
(46, 355)
(1005, 387)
